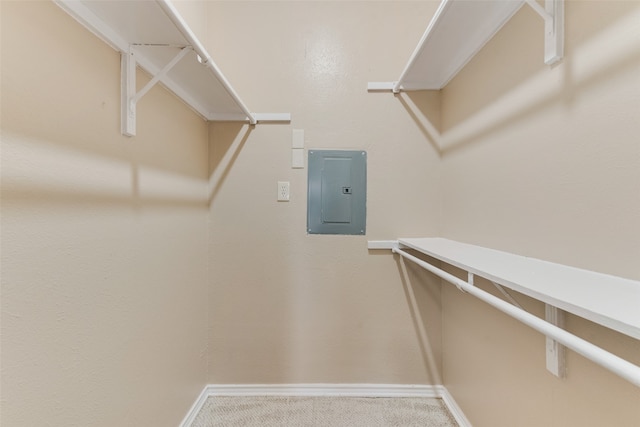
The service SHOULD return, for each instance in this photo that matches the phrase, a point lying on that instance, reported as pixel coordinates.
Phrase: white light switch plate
(298, 138)
(297, 158)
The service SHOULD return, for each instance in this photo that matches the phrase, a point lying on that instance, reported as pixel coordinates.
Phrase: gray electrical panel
(337, 192)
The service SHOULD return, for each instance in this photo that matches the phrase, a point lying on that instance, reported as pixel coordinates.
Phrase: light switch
(297, 158)
(298, 138)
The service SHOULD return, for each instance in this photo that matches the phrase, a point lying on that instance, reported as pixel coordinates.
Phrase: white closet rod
(175, 17)
(615, 364)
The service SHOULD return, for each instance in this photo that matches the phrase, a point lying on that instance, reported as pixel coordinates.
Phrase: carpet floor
(323, 411)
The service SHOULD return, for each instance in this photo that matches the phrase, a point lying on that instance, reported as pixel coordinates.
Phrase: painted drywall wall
(194, 13)
(103, 237)
(287, 307)
(544, 162)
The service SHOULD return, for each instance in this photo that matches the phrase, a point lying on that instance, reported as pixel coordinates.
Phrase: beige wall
(544, 162)
(103, 237)
(108, 267)
(194, 13)
(287, 307)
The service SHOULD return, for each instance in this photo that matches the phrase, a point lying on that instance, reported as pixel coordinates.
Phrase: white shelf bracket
(382, 244)
(270, 117)
(553, 15)
(507, 295)
(555, 352)
(160, 75)
(130, 97)
(381, 86)
(127, 92)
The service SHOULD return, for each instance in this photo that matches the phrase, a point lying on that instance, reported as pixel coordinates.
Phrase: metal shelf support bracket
(553, 15)
(129, 96)
(555, 352)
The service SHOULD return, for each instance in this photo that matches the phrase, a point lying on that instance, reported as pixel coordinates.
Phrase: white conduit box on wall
(153, 35)
(459, 29)
(604, 299)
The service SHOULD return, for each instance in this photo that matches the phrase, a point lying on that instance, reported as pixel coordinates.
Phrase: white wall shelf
(154, 36)
(604, 299)
(459, 29)
(608, 300)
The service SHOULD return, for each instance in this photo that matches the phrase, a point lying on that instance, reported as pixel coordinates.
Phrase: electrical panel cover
(337, 192)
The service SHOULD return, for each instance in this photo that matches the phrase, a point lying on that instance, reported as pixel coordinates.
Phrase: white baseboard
(195, 408)
(352, 390)
(453, 407)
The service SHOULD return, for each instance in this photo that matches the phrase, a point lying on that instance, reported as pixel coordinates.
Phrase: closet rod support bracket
(383, 87)
(271, 117)
(383, 244)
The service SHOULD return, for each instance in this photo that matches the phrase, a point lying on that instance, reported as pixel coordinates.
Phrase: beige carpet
(323, 411)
